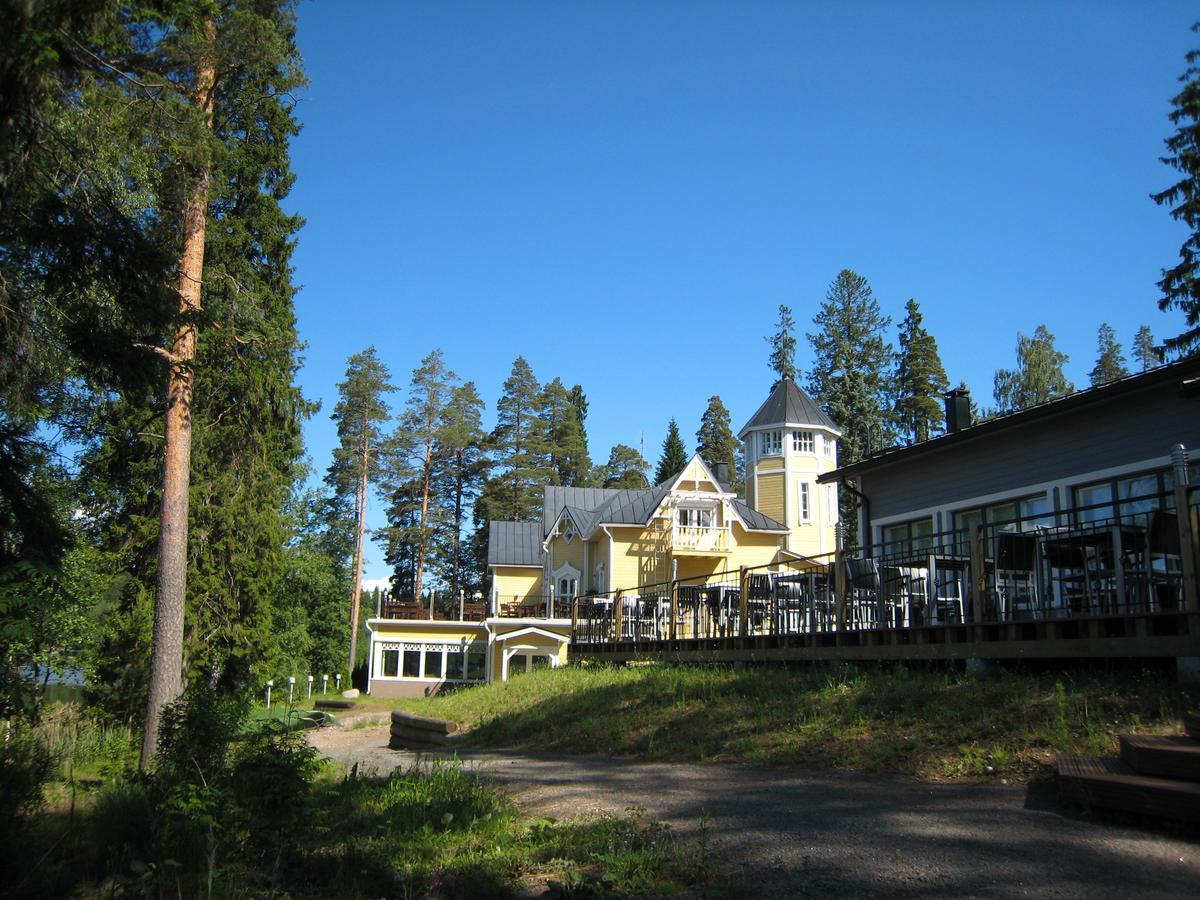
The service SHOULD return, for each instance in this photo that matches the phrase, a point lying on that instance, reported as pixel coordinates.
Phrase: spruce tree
(626, 468)
(674, 455)
(783, 345)
(920, 379)
(564, 411)
(1110, 361)
(361, 413)
(1180, 285)
(1145, 351)
(1038, 376)
(851, 376)
(715, 441)
(522, 456)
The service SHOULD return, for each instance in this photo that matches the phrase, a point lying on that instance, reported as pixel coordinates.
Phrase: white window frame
(424, 647)
(697, 513)
(804, 442)
(804, 507)
(770, 443)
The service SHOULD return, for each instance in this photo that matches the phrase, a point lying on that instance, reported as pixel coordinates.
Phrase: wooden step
(1175, 756)
(1191, 724)
(1111, 784)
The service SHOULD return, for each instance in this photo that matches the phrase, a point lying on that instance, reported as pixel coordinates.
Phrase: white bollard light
(324, 684)
(270, 684)
(291, 687)
(308, 696)
(337, 681)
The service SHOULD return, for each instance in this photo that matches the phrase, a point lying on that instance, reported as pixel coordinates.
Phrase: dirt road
(779, 832)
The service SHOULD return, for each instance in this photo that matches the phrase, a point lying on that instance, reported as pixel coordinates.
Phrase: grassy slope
(926, 725)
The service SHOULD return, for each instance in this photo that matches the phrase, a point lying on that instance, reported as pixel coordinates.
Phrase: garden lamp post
(270, 684)
(308, 696)
(291, 687)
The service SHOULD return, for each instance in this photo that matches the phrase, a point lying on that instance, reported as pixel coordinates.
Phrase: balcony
(699, 540)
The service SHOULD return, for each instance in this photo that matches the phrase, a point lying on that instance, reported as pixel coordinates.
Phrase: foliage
(1038, 377)
(463, 473)
(920, 379)
(26, 764)
(1110, 361)
(414, 463)
(521, 463)
(674, 455)
(1145, 351)
(566, 435)
(1180, 285)
(851, 376)
(783, 346)
(626, 468)
(715, 441)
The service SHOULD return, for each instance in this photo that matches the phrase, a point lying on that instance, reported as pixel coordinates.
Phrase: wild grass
(931, 725)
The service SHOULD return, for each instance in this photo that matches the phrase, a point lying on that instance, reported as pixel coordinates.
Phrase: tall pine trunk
(423, 540)
(356, 593)
(166, 655)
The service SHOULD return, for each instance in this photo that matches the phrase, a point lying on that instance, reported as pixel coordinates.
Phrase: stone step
(1111, 784)
(1167, 756)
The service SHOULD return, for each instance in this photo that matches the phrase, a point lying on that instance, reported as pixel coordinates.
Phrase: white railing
(706, 540)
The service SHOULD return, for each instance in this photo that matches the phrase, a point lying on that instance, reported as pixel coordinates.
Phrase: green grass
(887, 720)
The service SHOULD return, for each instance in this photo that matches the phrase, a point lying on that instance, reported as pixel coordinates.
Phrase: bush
(26, 764)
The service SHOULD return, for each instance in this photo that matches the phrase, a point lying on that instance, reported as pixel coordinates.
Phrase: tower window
(805, 507)
(803, 442)
(770, 443)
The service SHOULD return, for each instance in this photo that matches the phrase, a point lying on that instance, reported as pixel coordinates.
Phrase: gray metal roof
(558, 498)
(632, 506)
(756, 520)
(788, 405)
(514, 544)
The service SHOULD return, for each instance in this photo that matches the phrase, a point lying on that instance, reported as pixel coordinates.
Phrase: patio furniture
(1016, 576)
(865, 597)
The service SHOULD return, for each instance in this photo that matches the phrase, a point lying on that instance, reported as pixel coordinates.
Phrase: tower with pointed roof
(788, 444)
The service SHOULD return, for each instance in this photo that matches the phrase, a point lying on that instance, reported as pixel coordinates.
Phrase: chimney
(721, 470)
(958, 410)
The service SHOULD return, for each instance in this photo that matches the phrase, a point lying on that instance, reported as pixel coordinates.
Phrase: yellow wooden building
(599, 541)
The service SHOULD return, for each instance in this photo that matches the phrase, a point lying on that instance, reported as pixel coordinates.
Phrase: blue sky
(624, 193)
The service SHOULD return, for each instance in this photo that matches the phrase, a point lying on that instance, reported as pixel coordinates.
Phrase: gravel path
(778, 832)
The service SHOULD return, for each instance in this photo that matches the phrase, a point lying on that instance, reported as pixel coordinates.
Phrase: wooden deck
(1113, 784)
(1167, 634)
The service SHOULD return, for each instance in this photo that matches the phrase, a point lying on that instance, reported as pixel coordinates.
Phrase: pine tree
(566, 437)
(674, 455)
(1038, 377)
(626, 468)
(361, 413)
(416, 454)
(461, 444)
(1110, 361)
(920, 379)
(1180, 285)
(783, 345)
(715, 441)
(1145, 351)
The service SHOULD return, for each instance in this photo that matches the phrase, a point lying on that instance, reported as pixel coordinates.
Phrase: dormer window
(803, 442)
(770, 443)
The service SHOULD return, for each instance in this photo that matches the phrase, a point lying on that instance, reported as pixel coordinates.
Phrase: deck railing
(1073, 564)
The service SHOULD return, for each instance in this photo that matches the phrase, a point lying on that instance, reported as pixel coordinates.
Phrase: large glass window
(803, 442)
(907, 539)
(391, 663)
(690, 517)
(1129, 497)
(770, 443)
(435, 661)
(476, 663)
(455, 660)
(412, 663)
